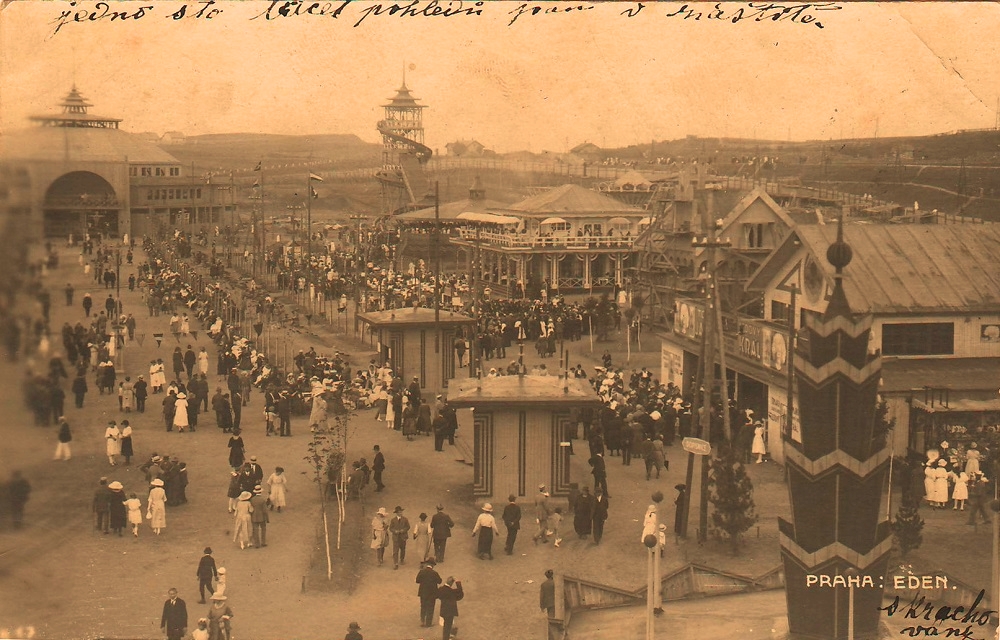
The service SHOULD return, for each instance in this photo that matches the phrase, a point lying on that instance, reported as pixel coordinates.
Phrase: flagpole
(309, 198)
(258, 242)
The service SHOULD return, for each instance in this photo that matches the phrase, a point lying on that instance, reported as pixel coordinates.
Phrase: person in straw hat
(353, 632)
(181, 412)
(219, 616)
(399, 527)
(156, 508)
(242, 523)
(380, 534)
(486, 527)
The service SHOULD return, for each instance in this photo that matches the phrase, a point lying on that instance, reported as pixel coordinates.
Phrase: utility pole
(437, 267)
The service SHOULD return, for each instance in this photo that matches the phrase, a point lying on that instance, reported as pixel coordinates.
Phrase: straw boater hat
(381, 512)
(218, 596)
(116, 486)
(488, 508)
(258, 489)
(182, 395)
(157, 483)
(246, 495)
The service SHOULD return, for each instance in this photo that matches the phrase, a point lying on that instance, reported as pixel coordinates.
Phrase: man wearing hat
(378, 466)
(256, 471)
(206, 573)
(449, 594)
(102, 506)
(353, 632)
(512, 520)
(259, 517)
(441, 525)
(428, 579)
(399, 528)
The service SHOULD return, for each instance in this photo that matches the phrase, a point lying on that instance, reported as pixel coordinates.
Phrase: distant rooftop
(521, 390)
(414, 317)
(75, 114)
(403, 99)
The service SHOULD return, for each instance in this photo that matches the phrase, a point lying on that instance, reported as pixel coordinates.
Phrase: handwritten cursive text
(758, 12)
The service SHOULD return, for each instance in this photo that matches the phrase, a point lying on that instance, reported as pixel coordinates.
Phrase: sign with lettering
(696, 446)
(748, 340)
(774, 349)
(671, 365)
(777, 414)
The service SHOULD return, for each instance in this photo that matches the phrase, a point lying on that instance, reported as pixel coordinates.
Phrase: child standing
(134, 506)
(961, 491)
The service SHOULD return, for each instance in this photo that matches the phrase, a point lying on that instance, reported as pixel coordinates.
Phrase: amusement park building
(87, 175)
(934, 292)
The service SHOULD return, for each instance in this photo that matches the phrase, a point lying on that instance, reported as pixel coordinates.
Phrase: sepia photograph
(499, 320)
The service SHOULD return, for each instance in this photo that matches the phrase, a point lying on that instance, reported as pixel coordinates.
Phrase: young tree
(906, 529)
(731, 493)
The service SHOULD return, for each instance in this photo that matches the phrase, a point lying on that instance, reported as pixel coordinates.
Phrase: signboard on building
(671, 365)
(774, 349)
(689, 319)
(748, 340)
(777, 415)
(989, 333)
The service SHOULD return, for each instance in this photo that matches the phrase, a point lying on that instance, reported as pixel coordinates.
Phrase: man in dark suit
(441, 525)
(256, 471)
(599, 514)
(600, 471)
(449, 594)
(259, 518)
(378, 466)
(174, 621)
(512, 520)
(429, 580)
(206, 573)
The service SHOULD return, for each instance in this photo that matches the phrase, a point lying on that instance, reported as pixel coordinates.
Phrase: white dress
(276, 493)
(972, 462)
(940, 485)
(929, 483)
(112, 436)
(203, 362)
(961, 491)
(157, 508)
(134, 506)
(758, 442)
(181, 412)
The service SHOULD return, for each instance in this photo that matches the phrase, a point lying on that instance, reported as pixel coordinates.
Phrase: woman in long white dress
(156, 509)
(758, 448)
(422, 536)
(929, 472)
(941, 484)
(277, 486)
(242, 524)
(112, 439)
(203, 362)
(181, 412)
(961, 491)
(972, 459)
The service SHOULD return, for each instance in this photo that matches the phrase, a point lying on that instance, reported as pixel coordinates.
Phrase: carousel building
(568, 239)
(87, 175)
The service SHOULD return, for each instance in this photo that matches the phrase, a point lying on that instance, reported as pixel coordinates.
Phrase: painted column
(835, 479)
(586, 271)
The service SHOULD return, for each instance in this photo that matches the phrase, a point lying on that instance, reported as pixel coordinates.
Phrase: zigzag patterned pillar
(836, 475)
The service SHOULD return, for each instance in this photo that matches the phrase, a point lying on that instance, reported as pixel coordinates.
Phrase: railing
(79, 202)
(524, 241)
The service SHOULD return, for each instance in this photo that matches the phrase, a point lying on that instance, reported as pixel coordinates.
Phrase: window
(160, 171)
(149, 194)
(198, 194)
(133, 171)
(175, 171)
(753, 236)
(185, 194)
(146, 171)
(779, 311)
(918, 339)
(170, 194)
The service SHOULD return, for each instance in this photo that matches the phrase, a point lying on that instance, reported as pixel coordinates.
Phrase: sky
(547, 82)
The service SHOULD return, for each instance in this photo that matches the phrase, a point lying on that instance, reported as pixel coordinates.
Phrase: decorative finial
(839, 253)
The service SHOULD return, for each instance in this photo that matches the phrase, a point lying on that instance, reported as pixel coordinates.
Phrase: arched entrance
(80, 202)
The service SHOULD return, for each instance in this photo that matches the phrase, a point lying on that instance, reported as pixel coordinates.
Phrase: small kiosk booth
(520, 430)
(415, 343)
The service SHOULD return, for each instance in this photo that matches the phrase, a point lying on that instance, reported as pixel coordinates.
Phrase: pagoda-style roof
(572, 199)
(522, 390)
(75, 113)
(412, 317)
(403, 99)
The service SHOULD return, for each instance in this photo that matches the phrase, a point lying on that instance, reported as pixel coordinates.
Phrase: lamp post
(651, 540)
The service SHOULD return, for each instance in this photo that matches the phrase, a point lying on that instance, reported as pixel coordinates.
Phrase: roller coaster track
(421, 152)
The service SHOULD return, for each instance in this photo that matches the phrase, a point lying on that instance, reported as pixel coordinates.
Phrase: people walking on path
(380, 534)
(277, 484)
(441, 526)
(512, 520)
(63, 439)
(486, 527)
(424, 550)
(399, 529)
(174, 620)
(449, 594)
(259, 517)
(429, 581)
(242, 522)
(206, 573)
(156, 507)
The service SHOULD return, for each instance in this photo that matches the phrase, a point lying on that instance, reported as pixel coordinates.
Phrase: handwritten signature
(921, 609)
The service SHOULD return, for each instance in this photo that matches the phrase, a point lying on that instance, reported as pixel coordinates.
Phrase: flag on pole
(313, 193)
(313, 176)
(257, 168)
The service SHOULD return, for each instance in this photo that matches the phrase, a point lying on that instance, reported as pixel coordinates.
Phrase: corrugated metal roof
(903, 268)
(450, 210)
(957, 374)
(86, 144)
(571, 198)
